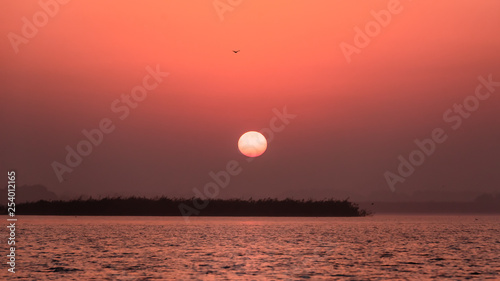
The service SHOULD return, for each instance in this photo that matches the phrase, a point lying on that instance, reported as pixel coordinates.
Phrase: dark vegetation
(140, 206)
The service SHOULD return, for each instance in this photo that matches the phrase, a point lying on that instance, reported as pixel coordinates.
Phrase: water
(236, 248)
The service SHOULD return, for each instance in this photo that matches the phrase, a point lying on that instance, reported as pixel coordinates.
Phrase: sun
(252, 144)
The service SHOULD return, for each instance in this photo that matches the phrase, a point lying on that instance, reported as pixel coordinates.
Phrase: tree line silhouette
(163, 206)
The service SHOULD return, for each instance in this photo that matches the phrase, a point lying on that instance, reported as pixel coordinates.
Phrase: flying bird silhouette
(236, 51)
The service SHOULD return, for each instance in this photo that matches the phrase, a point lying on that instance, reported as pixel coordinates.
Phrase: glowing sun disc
(252, 144)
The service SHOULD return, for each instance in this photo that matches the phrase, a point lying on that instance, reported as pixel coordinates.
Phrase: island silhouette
(163, 206)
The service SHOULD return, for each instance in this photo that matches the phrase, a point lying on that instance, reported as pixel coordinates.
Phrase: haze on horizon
(352, 119)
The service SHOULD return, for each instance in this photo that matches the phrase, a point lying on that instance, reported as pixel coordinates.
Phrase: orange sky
(353, 119)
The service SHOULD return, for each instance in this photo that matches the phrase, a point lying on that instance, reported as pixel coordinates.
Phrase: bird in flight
(236, 51)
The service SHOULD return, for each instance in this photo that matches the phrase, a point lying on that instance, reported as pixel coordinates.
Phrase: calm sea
(248, 248)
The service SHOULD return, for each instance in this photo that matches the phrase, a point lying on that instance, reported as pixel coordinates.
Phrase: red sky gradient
(353, 119)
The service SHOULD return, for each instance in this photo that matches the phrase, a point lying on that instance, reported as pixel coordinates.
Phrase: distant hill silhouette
(483, 204)
(28, 193)
(140, 206)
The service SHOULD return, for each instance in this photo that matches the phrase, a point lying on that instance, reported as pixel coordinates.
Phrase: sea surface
(379, 247)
